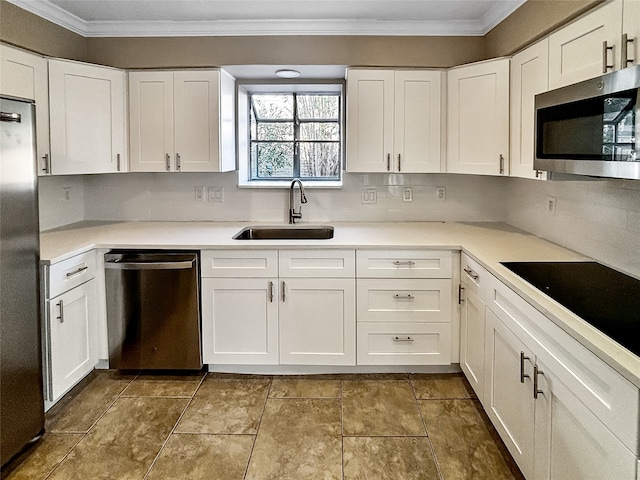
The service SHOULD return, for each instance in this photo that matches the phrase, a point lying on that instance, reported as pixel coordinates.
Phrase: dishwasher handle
(180, 265)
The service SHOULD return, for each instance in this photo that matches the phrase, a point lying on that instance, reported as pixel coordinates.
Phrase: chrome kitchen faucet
(292, 211)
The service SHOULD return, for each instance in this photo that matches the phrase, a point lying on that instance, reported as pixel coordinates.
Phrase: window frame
(325, 86)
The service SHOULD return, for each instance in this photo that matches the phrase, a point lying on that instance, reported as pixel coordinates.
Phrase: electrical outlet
(551, 205)
(441, 194)
(369, 195)
(407, 194)
(215, 194)
(199, 193)
(66, 194)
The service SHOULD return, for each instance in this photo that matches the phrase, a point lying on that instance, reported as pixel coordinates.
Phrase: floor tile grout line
(426, 430)
(255, 437)
(175, 425)
(50, 472)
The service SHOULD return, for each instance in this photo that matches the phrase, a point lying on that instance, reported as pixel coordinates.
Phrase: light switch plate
(407, 194)
(369, 195)
(551, 205)
(215, 194)
(441, 194)
(199, 193)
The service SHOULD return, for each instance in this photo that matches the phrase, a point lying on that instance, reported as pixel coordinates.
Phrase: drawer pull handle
(408, 296)
(471, 274)
(61, 316)
(284, 292)
(271, 292)
(523, 357)
(406, 339)
(76, 272)
(536, 372)
(407, 263)
(605, 60)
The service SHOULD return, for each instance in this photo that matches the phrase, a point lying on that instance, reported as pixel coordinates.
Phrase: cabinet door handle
(45, 159)
(61, 316)
(501, 164)
(284, 295)
(408, 296)
(271, 292)
(523, 357)
(536, 372)
(178, 162)
(406, 263)
(626, 61)
(471, 274)
(460, 292)
(168, 159)
(118, 162)
(398, 162)
(388, 162)
(403, 339)
(605, 57)
(76, 272)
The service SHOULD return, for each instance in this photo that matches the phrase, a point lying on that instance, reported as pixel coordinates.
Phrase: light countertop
(488, 243)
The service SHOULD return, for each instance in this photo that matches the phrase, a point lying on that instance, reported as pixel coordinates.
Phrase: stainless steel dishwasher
(153, 309)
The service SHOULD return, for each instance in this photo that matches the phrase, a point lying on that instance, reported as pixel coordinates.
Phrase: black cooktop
(607, 299)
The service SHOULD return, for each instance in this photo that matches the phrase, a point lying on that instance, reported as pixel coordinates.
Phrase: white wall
(55, 209)
(598, 218)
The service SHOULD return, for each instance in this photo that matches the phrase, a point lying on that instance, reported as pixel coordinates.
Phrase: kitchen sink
(293, 232)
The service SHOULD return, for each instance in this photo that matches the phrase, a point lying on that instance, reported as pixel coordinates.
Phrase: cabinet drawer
(239, 263)
(474, 277)
(317, 263)
(404, 343)
(70, 273)
(611, 398)
(404, 264)
(408, 300)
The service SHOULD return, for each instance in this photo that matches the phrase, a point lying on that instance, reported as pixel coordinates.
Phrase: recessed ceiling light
(288, 73)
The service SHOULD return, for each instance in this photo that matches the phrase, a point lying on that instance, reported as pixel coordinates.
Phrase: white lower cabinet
(561, 411)
(317, 321)
(70, 324)
(404, 306)
(252, 316)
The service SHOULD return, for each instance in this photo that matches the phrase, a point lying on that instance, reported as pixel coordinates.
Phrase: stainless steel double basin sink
(293, 232)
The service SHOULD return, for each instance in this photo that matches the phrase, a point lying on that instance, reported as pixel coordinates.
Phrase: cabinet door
(73, 338)
(508, 398)
(576, 52)
(24, 75)
(240, 321)
(417, 121)
(87, 105)
(196, 117)
(370, 112)
(151, 121)
(472, 330)
(317, 321)
(478, 118)
(630, 53)
(570, 441)
(529, 76)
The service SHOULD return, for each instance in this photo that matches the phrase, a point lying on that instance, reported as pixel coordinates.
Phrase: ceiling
(145, 18)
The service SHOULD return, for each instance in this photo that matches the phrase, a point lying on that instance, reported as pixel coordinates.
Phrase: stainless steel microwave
(591, 128)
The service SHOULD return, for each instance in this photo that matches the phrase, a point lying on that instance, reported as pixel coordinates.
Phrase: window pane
(318, 106)
(319, 160)
(275, 131)
(319, 131)
(272, 160)
(273, 106)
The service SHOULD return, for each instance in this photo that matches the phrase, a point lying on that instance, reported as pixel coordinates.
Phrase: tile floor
(228, 427)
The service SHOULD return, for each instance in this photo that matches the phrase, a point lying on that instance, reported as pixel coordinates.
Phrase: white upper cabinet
(393, 120)
(529, 77)
(478, 118)
(182, 121)
(630, 46)
(24, 75)
(588, 47)
(87, 115)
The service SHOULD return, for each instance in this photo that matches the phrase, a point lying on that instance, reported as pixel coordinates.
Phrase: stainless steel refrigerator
(21, 398)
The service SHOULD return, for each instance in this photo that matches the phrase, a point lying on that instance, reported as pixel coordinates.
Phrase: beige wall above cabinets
(592, 45)
(29, 31)
(478, 118)
(529, 76)
(393, 120)
(182, 121)
(87, 118)
(24, 75)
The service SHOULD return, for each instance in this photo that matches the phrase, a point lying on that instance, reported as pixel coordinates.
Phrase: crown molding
(61, 17)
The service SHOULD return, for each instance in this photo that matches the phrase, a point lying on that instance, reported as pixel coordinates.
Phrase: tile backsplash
(599, 218)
